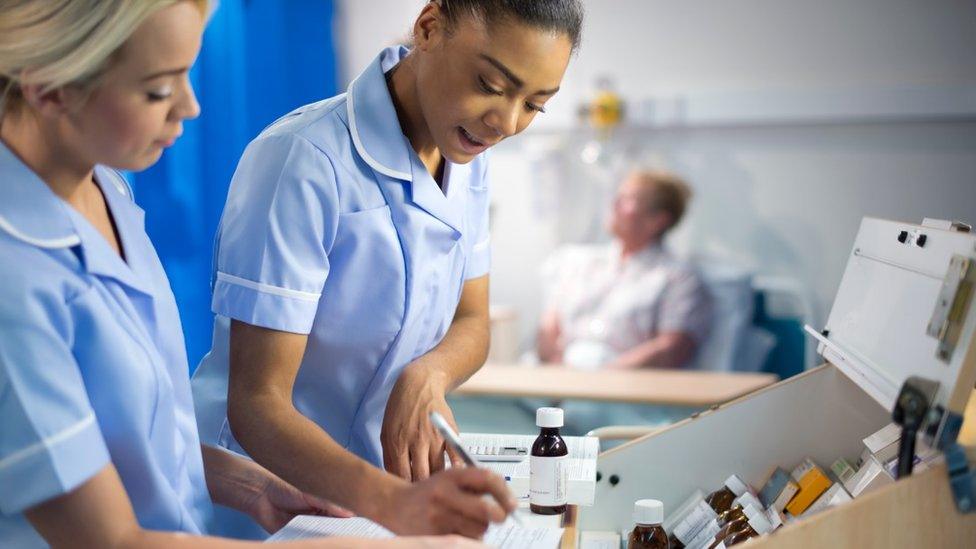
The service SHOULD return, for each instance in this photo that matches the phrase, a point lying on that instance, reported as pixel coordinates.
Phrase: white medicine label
(547, 480)
(699, 516)
(705, 536)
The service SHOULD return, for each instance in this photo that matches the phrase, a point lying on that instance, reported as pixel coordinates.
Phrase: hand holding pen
(454, 441)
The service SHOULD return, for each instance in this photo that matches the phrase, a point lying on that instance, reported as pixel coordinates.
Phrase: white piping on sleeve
(48, 442)
(267, 288)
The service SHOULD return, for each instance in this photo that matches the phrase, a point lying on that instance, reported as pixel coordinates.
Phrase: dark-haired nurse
(351, 269)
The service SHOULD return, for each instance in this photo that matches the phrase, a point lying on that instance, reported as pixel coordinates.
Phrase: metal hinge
(951, 306)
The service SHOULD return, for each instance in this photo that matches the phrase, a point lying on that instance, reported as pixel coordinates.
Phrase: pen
(454, 442)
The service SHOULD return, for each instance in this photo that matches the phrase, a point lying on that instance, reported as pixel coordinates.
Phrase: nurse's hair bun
(563, 16)
(55, 43)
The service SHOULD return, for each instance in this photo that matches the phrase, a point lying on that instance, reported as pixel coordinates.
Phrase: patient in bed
(630, 303)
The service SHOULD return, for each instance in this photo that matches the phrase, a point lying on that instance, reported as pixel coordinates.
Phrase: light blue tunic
(335, 229)
(92, 363)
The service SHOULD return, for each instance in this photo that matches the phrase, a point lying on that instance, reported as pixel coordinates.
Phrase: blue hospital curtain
(259, 60)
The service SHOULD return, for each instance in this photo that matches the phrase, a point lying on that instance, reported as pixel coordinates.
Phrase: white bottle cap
(648, 511)
(752, 510)
(549, 417)
(758, 520)
(747, 499)
(737, 486)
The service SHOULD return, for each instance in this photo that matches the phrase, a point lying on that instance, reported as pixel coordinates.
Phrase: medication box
(778, 490)
(902, 283)
(813, 484)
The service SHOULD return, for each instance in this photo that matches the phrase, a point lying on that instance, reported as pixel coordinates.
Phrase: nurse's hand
(458, 501)
(278, 502)
(412, 447)
(242, 484)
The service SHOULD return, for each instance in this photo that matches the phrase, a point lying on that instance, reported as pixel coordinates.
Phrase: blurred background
(791, 120)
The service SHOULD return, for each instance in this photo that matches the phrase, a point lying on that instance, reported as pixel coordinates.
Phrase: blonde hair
(57, 43)
(664, 191)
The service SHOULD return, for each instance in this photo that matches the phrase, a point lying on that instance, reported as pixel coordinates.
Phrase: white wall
(785, 198)
(363, 27)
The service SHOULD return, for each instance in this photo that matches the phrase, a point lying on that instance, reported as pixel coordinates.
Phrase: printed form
(507, 535)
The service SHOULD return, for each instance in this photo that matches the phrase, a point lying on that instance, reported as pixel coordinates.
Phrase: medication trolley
(903, 312)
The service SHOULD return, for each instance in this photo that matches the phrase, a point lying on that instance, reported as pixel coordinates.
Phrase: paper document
(580, 467)
(507, 535)
(308, 526)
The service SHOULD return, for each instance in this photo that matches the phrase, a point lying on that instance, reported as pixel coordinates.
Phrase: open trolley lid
(905, 308)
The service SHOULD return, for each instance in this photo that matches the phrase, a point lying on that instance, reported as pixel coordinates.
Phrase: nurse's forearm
(233, 481)
(461, 353)
(99, 514)
(293, 447)
(263, 366)
(464, 348)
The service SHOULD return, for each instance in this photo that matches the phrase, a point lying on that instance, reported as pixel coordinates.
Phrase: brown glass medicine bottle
(648, 532)
(756, 525)
(547, 465)
(737, 512)
(721, 500)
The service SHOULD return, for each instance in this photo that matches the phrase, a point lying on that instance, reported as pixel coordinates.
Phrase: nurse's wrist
(233, 481)
(441, 381)
(430, 374)
(380, 505)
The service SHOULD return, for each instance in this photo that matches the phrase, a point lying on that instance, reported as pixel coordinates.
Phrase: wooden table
(673, 387)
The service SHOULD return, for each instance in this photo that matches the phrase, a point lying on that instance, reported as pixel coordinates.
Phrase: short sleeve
(50, 442)
(686, 306)
(479, 200)
(275, 235)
